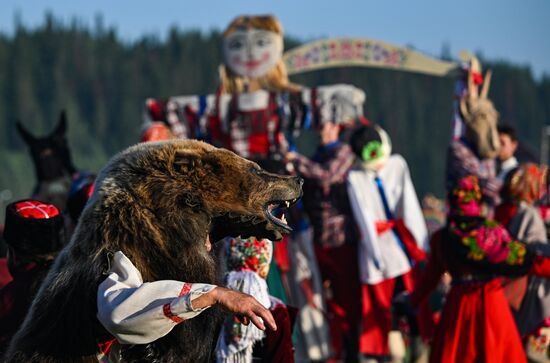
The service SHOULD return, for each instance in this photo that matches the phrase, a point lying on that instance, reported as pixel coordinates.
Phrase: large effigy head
(253, 51)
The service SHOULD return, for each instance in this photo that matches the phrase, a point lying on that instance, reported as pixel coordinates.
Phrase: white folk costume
(383, 256)
(393, 232)
(135, 312)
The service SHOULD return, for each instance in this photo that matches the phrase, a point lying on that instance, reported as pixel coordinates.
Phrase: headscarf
(527, 183)
(247, 262)
(465, 198)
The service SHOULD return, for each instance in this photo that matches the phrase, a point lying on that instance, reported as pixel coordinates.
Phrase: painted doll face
(252, 52)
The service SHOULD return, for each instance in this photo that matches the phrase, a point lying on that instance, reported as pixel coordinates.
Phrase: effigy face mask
(252, 53)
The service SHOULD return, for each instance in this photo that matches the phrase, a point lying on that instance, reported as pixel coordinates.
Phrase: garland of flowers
(490, 241)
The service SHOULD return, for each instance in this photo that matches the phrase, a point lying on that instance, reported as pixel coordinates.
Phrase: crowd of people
(371, 282)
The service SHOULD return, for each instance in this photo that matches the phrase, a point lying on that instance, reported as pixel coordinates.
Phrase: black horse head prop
(52, 162)
(50, 154)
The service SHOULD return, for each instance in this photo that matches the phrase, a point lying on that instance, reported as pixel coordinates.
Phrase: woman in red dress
(476, 323)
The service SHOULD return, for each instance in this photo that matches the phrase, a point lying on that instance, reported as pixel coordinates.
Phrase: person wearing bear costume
(137, 281)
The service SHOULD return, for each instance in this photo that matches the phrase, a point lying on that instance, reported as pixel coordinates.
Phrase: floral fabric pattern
(490, 241)
(249, 255)
(467, 197)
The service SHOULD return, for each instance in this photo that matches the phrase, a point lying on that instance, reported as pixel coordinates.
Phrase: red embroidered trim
(167, 310)
(185, 289)
(105, 347)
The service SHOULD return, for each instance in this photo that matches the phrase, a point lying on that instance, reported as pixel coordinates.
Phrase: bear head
(176, 195)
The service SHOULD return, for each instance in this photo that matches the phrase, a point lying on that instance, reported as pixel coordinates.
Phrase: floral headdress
(465, 198)
(247, 267)
(249, 255)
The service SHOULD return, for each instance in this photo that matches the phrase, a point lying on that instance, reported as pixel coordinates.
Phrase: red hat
(34, 227)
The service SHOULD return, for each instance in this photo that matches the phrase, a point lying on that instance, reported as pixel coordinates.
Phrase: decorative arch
(363, 52)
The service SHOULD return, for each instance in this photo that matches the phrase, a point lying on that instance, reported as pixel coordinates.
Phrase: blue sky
(517, 31)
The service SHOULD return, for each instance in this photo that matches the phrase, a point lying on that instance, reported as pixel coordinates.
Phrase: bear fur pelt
(157, 203)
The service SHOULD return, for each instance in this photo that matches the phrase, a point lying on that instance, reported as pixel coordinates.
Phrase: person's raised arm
(139, 313)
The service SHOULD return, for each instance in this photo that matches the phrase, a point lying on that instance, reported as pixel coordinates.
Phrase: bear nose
(300, 181)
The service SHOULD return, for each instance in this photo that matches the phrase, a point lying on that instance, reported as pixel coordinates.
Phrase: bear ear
(185, 161)
(61, 127)
(26, 135)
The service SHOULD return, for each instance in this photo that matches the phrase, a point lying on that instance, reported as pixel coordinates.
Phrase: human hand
(291, 155)
(245, 307)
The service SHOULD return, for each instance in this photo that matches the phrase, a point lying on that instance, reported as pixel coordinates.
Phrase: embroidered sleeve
(138, 313)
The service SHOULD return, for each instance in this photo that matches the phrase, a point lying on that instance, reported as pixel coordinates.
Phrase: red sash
(413, 251)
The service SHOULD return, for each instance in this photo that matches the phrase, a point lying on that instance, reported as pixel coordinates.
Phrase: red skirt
(477, 326)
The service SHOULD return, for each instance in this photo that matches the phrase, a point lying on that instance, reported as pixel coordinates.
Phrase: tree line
(102, 82)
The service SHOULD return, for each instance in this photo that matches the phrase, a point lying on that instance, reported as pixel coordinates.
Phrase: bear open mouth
(277, 207)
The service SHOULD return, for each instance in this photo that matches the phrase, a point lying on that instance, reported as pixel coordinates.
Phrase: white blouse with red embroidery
(135, 312)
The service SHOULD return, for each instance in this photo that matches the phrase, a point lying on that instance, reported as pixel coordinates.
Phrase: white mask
(252, 53)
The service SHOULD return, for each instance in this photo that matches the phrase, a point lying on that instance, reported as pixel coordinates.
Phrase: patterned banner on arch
(362, 52)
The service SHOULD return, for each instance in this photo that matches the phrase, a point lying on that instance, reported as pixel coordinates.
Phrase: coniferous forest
(102, 82)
